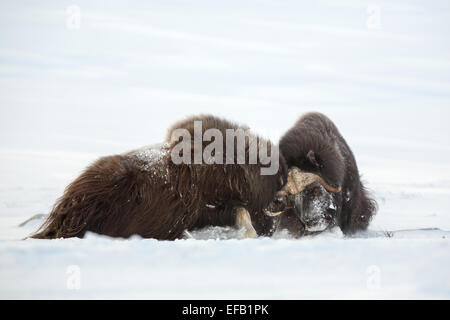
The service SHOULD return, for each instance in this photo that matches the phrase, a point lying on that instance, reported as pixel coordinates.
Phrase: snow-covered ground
(379, 69)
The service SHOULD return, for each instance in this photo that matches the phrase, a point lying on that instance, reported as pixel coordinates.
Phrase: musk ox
(144, 192)
(324, 187)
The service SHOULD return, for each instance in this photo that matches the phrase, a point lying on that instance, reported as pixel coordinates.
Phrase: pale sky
(119, 78)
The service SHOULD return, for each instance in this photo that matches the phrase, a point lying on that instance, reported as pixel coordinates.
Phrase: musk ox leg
(243, 220)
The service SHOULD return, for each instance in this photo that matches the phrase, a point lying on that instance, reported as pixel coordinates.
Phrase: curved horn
(272, 214)
(290, 187)
(298, 181)
(327, 186)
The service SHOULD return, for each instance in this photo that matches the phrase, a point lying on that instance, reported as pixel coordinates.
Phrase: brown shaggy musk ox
(324, 187)
(144, 192)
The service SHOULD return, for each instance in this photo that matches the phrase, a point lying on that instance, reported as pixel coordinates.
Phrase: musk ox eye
(316, 191)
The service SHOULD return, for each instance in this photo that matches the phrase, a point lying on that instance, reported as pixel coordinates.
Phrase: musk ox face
(315, 207)
(315, 145)
(313, 201)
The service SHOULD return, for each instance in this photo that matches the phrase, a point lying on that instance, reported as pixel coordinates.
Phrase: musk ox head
(329, 188)
(310, 198)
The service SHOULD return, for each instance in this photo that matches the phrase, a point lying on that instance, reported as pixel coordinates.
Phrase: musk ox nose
(319, 222)
(330, 214)
(311, 222)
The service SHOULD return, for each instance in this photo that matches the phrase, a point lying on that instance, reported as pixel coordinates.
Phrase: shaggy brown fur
(315, 145)
(248, 185)
(143, 192)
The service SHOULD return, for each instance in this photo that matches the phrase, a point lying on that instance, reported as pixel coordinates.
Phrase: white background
(71, 92)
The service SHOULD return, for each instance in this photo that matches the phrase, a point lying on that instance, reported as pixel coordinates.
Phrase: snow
(69, 96)
(151, 159)
(152, 154)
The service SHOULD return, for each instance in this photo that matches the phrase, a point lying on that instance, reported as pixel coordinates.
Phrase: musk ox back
(247, 179)
(144, 192)
(327, 184)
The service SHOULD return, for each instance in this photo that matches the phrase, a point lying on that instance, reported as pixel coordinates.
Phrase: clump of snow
(216, 233)
(152, 154)
(152, 159)
(282, 234)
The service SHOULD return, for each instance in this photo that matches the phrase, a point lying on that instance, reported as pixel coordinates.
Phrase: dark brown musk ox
(324, 188)
(144, 192)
